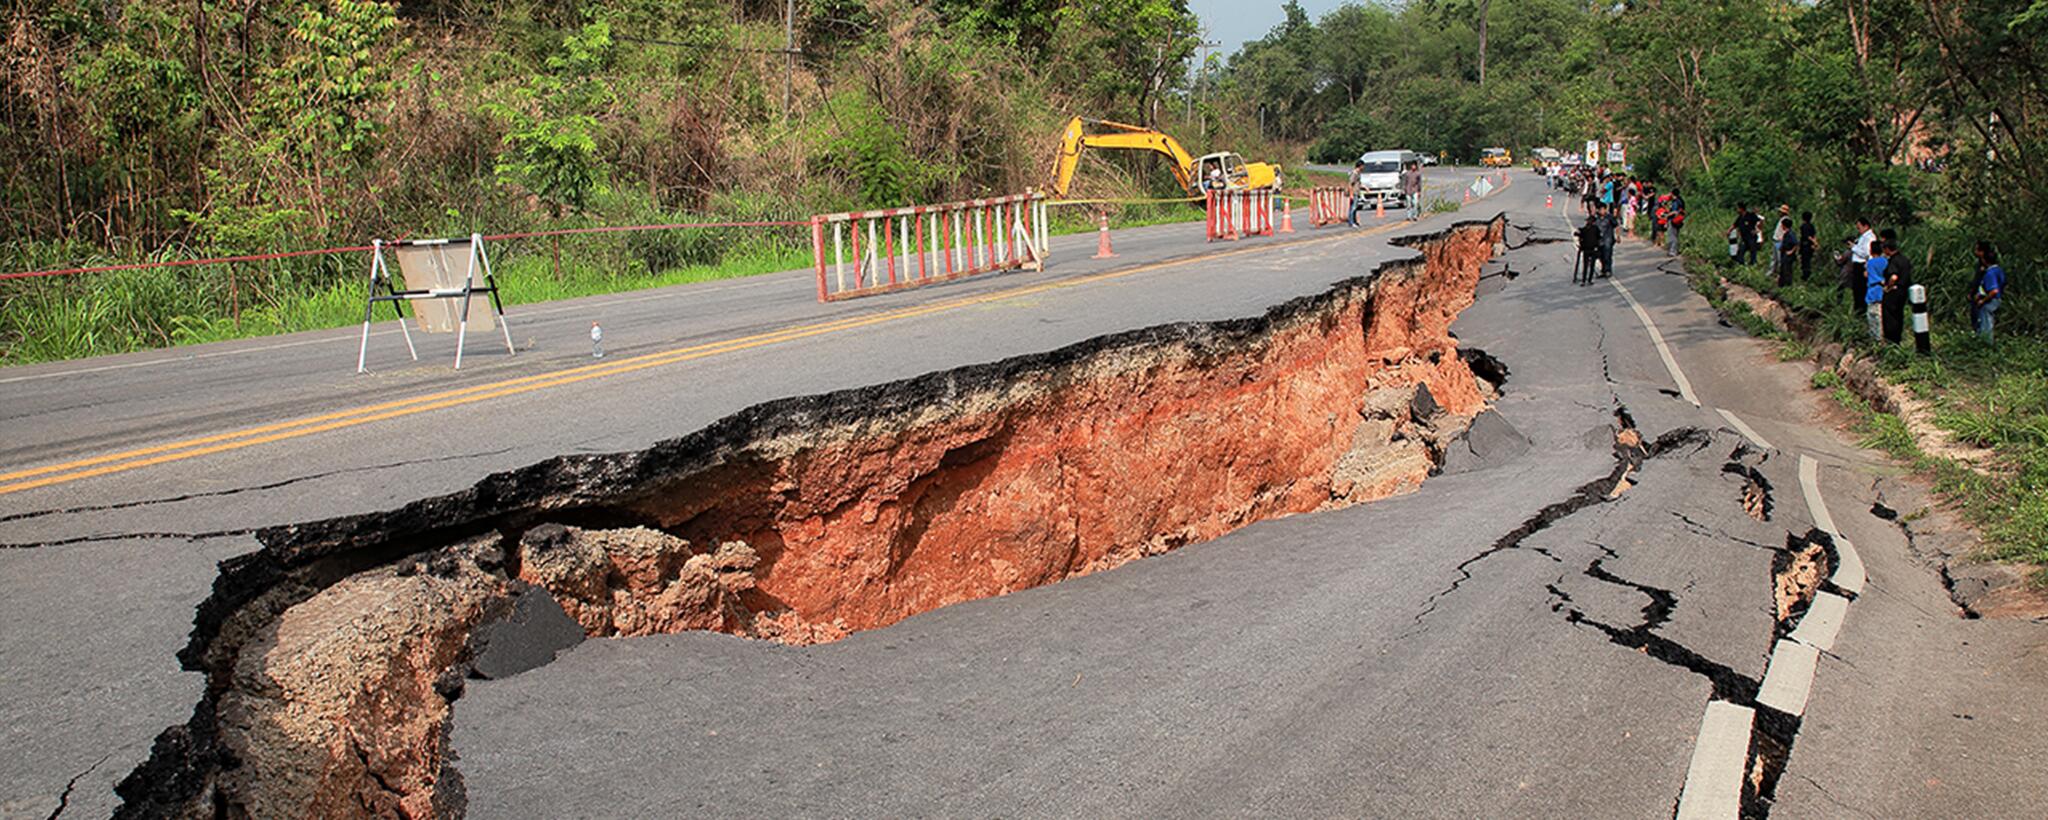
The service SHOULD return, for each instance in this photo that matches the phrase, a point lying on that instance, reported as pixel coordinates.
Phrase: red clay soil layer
(334, 653)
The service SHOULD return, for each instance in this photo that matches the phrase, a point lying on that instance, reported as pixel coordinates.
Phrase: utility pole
(788, 54)
(1202, 75)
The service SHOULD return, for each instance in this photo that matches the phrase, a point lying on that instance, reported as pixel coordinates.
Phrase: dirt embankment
(334, 654)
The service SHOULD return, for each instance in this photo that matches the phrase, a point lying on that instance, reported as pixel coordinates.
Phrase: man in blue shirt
(1873, 292)
(1990, 286)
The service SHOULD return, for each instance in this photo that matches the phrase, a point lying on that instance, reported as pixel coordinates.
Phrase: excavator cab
(1221, 170)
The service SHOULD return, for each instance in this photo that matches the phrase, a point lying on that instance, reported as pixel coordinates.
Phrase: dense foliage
(1926, 116)
(184, 128)
(146, 129)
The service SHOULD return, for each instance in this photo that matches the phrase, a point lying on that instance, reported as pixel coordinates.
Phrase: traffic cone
(1286, 215)
(1102, 250)
(1547, 203)
(1468, 196)
(1379, 208)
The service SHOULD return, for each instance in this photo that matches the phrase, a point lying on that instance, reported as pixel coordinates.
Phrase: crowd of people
(1617, 204)
(1875, 276)
(1629, 203)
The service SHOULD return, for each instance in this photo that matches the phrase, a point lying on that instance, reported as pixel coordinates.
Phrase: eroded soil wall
(333, 654)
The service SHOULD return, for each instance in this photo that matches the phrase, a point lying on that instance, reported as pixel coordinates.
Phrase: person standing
(1898, 277)
(1631, 195)
(1610, 228)
(1357, 173)
(1990, 288)
(1746, 234)
(1657, 214)
(1589, 250)
(1873, 290)
(1809, 242)
(1675, 219)
(1783, 226)
(1411, 190)
(1787, 251)
(1854, 276)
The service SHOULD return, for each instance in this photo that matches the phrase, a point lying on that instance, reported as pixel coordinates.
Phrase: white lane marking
(1809, 481)
(1849, 574)
(1747, 431)
(1823, 621)
(1656, 338)
(1713, 783)
(1790, 678)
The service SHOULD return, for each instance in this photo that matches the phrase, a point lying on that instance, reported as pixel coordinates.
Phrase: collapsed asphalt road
(1475, 648)
(1535, 631)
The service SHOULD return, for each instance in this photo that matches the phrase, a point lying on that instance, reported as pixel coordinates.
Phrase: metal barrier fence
(909, 247)
(1237, 214)
(1329, 206)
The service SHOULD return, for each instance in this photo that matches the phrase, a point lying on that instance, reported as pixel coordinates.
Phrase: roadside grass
(1991, 396)
(98, 314)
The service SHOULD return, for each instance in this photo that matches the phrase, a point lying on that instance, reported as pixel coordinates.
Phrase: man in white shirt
(1852, 269)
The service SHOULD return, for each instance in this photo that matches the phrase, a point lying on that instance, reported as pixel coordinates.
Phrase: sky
(1233, 22)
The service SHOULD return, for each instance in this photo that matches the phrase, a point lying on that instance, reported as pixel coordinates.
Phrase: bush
(1757, 173)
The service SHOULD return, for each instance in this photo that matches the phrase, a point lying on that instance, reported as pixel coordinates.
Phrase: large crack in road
(334, 654)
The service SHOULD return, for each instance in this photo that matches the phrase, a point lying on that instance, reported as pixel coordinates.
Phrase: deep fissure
(804, 519)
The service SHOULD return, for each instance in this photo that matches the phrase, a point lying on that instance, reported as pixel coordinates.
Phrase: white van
(1381, 180)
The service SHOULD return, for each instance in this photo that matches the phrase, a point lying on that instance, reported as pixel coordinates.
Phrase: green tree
(552, 126)
(1117, 56)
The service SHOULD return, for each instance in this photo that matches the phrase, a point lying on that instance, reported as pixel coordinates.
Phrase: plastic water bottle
(596, 341)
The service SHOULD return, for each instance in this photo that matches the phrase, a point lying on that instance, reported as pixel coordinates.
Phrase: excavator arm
(1082, 132)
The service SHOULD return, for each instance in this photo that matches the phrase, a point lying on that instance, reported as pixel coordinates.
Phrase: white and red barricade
(1329, 206)
(1237, 214)
(901, 248)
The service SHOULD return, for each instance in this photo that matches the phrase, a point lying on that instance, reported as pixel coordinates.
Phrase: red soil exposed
(330, 689)
(1132, 453)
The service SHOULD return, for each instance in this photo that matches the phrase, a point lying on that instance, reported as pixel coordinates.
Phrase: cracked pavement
(1514, 639)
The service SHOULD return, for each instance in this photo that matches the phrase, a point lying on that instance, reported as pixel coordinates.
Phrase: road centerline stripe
(1657, 338)
(1713, 781)
(1746, 431)
(1849, 573)
(31, 478)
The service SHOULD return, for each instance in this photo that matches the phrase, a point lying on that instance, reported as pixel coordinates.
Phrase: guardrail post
(980, 238)
(818, 253)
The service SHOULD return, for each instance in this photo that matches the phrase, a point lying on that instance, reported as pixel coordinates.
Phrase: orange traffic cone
(1102, 250)
(1286, 215)
(1468, 196)
(1379, 208)
(1547, 203)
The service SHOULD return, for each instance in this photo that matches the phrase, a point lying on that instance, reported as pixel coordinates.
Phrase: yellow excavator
(1194, 173)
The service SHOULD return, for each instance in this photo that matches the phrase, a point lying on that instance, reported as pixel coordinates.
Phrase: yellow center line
(296, 428)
